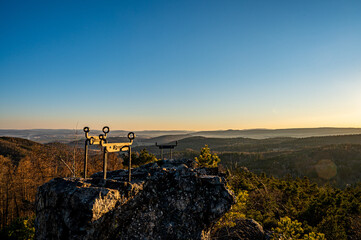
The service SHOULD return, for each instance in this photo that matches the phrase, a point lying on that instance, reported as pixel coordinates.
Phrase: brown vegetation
(25, 165)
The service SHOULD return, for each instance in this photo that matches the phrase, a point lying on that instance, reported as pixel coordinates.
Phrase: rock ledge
(167, 199)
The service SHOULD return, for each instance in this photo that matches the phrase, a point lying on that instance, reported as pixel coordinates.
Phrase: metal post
(85, 157)
(130, 164)
(105, 163)
(166, 146)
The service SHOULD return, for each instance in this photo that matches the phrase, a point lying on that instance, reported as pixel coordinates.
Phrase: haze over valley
(163, 136)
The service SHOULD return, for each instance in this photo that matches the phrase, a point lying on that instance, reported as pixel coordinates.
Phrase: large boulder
(165, 200)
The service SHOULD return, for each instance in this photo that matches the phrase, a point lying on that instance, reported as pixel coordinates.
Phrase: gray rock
(165, 200)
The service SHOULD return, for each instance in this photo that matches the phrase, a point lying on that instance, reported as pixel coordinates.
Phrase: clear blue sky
(196, 65)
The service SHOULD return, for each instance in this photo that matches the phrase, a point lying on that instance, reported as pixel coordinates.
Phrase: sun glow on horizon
(228, 66)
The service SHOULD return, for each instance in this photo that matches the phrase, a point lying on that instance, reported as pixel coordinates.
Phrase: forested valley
(313, 189)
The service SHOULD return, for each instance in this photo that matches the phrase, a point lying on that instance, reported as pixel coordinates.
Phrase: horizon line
(160, 130)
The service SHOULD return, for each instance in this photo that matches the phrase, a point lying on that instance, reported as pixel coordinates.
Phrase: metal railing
(91, 140)
(108, 148)
(166, 146)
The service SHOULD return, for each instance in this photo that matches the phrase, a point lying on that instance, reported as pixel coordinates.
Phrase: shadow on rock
(165, 200)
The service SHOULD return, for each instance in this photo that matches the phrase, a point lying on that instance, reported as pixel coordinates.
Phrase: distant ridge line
(69, 135)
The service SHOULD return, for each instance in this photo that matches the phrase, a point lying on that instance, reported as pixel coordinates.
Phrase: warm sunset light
(201, 65)
(180, 119)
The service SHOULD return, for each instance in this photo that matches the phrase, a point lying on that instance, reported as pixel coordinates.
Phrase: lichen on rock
(168, 199)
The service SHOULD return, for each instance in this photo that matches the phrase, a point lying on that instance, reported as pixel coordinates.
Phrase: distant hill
(166, 139)
(138, 141)
(337, 157)
(278, 144)
(17, 148)
(276, 156)
(69, 135)
(43, 135)
(271, 133)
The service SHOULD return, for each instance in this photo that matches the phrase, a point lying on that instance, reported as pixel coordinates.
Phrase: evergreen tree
(206, 158)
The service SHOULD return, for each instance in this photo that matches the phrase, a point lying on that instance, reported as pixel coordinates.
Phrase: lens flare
(326, 169)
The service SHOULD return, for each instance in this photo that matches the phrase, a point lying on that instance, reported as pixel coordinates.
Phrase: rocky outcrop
(165, 200)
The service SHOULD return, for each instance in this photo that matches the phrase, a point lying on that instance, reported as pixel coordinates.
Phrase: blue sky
(196, 65)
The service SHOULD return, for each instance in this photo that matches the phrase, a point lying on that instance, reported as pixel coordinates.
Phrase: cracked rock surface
(168, 199)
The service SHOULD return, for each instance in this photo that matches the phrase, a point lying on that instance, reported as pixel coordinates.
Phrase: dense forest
(323, 212)
(335, 160)
(313, 186)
